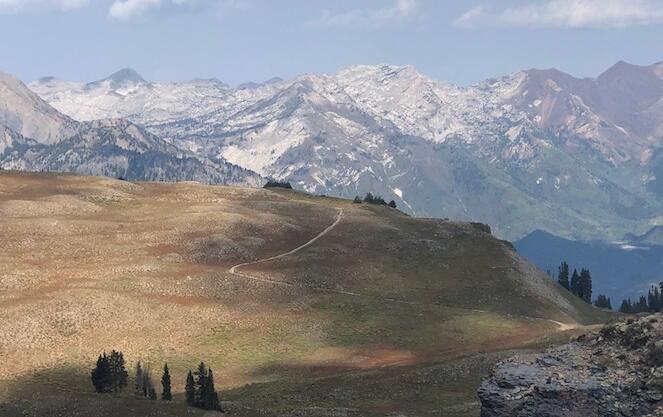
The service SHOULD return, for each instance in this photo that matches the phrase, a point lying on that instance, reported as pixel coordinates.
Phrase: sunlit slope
(90, 264)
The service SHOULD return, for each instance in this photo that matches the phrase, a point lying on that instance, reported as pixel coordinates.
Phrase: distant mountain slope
(25, 113)
(618, 270)
(537, 149)
(653, 237)
(36, 137)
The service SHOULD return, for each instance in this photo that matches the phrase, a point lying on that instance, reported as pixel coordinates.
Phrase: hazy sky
(241, 40)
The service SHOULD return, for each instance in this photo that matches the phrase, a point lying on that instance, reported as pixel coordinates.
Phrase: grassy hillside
(90, 264)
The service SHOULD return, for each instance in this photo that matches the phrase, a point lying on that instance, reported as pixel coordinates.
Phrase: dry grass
(92, 264)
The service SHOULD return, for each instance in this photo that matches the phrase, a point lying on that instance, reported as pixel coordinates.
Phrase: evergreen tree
(152, 393)
(585, 285)
(165, 383)
(200, 391)
(626, 307)
(357, 200)
(563, 277)
(118, 373)
(603, 302)
(392, 204)
(655, 299)
(101, 375)
(139, 379)
(201, 384)
(575, 282)
(211, 397)
(190, 389)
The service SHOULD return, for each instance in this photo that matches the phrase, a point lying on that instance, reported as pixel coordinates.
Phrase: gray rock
(615, 372)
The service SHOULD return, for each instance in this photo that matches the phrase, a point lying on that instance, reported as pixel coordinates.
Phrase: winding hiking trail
(339, 216)
(233, 270)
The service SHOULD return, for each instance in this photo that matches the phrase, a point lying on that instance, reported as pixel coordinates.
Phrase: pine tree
(626, 307)
(118, 373)
(211, 397)
(575, 283)
(190, 389)
(585, 285)
(139, 379)
(357, 200)
(563, 277)
(654, 299)
(165, 383)
(201, 384)
(101, 375)
(392, 204)
(603, 302)
(200, 391)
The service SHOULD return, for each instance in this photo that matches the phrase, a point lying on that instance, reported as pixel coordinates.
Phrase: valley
(621, 270)
(301, 304)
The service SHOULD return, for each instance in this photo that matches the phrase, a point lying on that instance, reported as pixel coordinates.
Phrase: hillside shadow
(66, 391)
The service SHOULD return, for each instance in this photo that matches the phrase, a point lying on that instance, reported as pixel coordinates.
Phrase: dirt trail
(234, 271)
(339, 217)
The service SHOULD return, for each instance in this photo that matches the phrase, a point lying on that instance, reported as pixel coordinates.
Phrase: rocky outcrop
(617, 371)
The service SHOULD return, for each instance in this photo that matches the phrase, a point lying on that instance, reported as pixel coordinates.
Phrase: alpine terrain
(537, 149)
(302, 305)
(36, 137)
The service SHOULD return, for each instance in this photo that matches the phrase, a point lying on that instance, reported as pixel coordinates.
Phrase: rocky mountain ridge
(535, 149)
(36, 137)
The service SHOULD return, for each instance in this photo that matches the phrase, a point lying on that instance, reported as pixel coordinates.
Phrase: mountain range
(36, 137)
(537, 149)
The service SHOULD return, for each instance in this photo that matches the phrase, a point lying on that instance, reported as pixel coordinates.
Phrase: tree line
(110, 376)
(651, 303)
(580, 284)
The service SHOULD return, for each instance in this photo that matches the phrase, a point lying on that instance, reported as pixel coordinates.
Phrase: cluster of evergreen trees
(371, 199)
(278, 184)
(200, 390)
(653, 302)
(110, 375)
(580, 284)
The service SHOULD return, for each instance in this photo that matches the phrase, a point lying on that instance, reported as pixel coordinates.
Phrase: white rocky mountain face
(537, 149)
(36, 137)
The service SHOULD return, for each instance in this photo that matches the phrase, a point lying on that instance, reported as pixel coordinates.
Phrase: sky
(236, 41)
